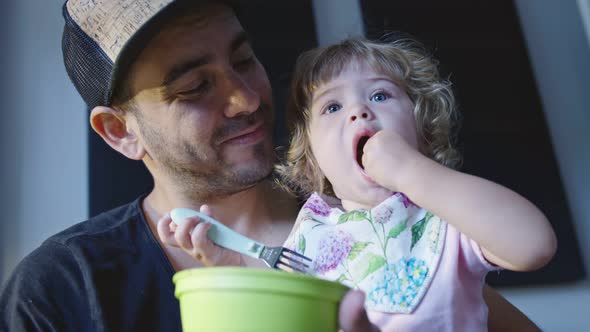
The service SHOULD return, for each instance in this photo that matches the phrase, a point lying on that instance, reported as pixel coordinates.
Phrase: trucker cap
(102, 38)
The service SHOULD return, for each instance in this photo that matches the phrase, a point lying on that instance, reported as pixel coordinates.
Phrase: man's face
(204, 106)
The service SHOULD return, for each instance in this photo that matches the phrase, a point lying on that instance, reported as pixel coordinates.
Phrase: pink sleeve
(474, 256)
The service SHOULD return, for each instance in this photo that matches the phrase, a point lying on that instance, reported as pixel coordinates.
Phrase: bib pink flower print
(334, 247)
(391, 251)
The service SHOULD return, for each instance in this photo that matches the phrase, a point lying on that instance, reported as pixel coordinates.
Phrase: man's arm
(503, 316)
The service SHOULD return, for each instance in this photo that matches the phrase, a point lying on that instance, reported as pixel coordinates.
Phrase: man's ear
(112, 125)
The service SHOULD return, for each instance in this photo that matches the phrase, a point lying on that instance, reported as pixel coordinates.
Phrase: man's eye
(201, 88)
(379, 97)
(333, 108)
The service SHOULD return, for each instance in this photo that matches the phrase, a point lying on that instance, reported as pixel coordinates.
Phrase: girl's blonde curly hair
(407, 63)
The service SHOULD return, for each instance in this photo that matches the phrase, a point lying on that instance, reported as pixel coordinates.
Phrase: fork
(275, 257)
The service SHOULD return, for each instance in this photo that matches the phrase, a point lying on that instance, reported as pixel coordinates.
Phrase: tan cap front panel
(112, 22)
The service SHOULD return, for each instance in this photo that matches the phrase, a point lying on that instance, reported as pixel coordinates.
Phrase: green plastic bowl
(224, 299)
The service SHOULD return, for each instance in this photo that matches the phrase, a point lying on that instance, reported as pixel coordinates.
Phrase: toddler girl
(371, 125)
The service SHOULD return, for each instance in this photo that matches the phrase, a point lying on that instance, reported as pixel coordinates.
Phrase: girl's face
(344, 113)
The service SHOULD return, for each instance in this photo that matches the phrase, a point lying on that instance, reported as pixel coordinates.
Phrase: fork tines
(290, 261)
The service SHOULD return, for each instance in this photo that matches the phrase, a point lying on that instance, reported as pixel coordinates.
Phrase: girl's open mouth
(359, 150)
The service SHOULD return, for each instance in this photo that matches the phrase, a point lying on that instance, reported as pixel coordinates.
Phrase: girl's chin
(375, 190)
(369, 197)
(367, 178)
(380, 196)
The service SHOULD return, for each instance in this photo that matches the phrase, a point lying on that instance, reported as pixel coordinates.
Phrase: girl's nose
(361, 111)
(362, 115)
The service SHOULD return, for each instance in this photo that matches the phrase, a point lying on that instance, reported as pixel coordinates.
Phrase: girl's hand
(191, 236)
(388, 158)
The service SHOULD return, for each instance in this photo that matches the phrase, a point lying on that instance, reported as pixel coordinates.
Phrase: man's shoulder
(69, 279)
(84, 241)
(88, 246)
(115, 225)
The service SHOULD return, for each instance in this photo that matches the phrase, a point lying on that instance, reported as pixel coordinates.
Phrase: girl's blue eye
(379, 97)
(333, 108)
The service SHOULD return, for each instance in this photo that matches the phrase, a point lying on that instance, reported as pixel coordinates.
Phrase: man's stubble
(198, 169)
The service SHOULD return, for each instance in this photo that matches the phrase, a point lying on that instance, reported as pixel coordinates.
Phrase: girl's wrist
(412, 175)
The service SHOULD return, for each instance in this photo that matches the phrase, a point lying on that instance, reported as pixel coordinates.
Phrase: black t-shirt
(105, 274)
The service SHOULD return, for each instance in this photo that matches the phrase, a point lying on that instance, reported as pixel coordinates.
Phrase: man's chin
(262, 152)
(251, 163)
(225, 183)
(251, 174)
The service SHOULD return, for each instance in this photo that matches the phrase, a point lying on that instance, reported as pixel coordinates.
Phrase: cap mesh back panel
(87, 65)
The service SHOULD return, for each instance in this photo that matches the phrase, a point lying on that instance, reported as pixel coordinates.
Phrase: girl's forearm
(512, 232)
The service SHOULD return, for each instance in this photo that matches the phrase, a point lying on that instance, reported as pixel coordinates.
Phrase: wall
(44, 167)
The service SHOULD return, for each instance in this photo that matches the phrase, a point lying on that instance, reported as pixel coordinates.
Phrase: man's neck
(246, 206)
(263, 213)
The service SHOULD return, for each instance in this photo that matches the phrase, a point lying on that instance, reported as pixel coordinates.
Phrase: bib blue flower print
(391, 251)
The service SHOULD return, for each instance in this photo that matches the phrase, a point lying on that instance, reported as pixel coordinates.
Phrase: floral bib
(391, 251)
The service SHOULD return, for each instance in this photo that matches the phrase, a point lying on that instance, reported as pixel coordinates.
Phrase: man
(176, 85)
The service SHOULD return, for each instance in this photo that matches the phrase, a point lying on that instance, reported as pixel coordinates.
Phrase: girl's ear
(112, 126)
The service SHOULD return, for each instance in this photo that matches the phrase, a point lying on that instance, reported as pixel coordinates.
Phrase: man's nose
(361, 112)
(242, 99)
